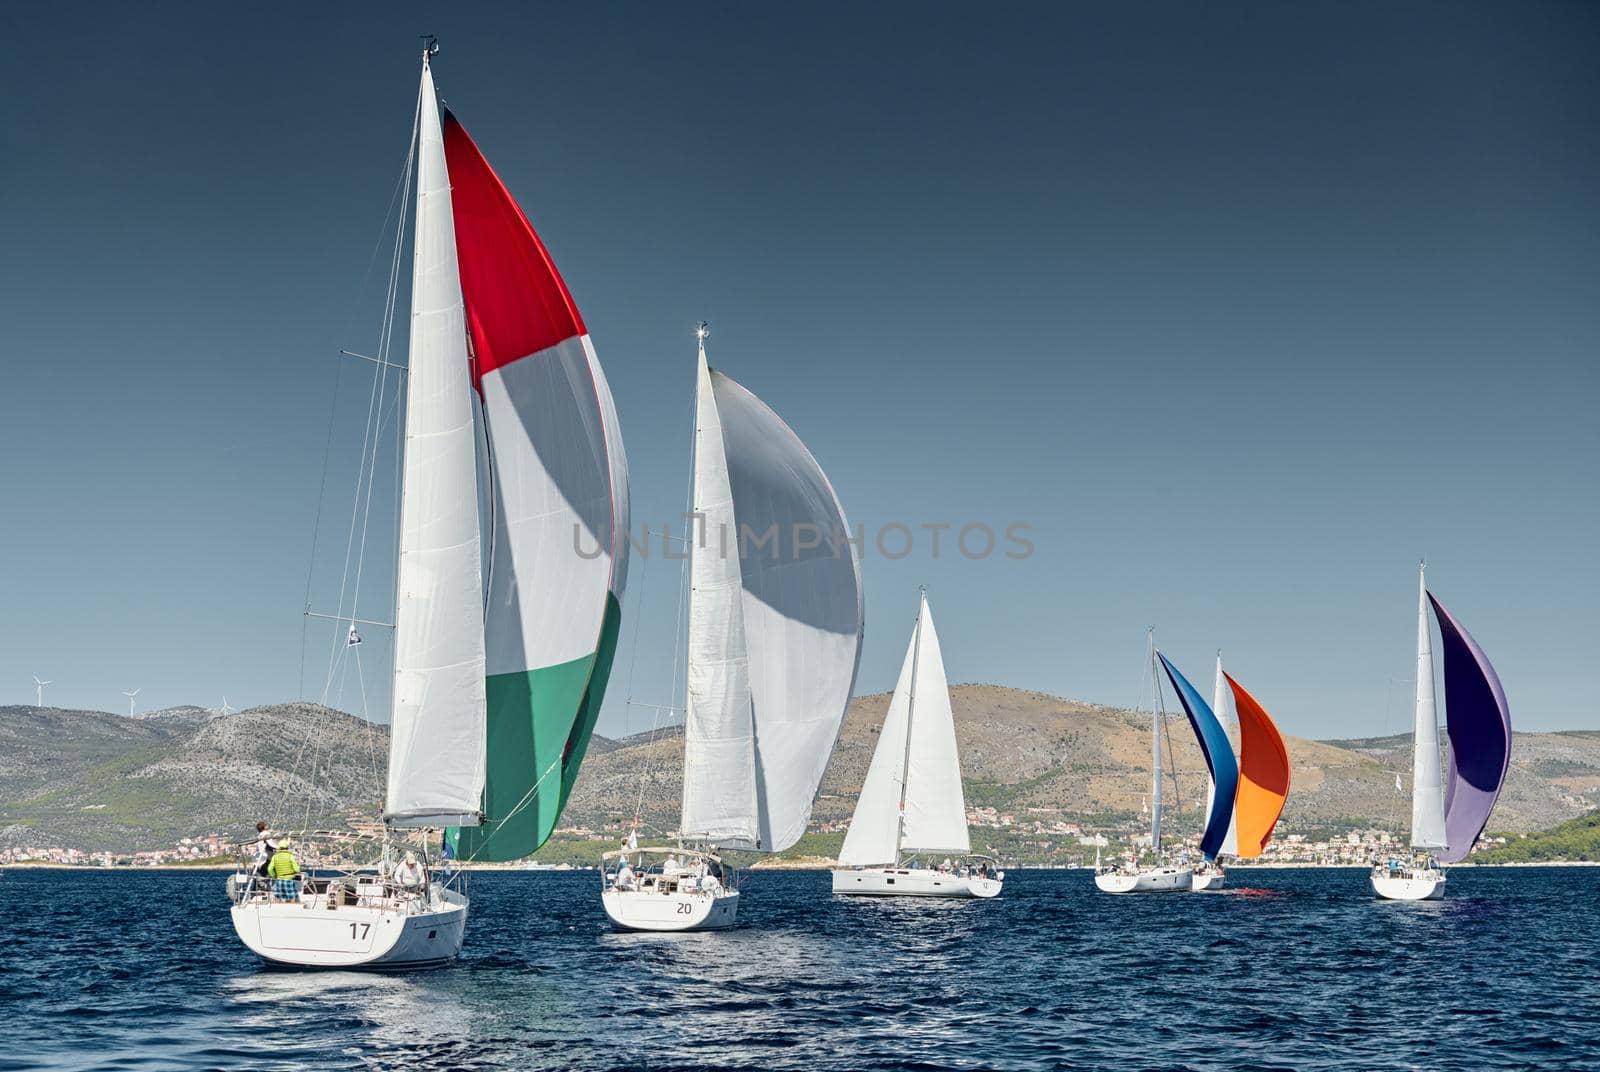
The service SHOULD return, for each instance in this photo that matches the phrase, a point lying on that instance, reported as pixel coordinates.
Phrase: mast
(701, 330)
(1427, 783)
(1155, 749)
(911, 710)
(437, 745)
(721, 797)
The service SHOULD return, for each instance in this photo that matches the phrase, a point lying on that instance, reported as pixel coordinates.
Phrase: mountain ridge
(99, 780)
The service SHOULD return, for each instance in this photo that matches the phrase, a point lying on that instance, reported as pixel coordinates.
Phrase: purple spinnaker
(1479, 723)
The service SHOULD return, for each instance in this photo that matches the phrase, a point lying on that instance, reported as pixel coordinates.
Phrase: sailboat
(774, 640)
(494, 698)
(911, 807)
(1263, 784)
(1446, 821)
(1162, 877)
(1166, 877)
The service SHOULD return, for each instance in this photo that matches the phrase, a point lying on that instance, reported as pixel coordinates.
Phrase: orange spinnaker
(1263, 774)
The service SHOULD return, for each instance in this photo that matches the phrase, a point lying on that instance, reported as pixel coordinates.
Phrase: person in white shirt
(265, 846)
(624, 879)
(410, 874)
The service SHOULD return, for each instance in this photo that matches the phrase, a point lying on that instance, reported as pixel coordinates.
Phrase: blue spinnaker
(1219, 759)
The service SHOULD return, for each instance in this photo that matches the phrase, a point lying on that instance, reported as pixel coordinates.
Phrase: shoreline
(807, 864)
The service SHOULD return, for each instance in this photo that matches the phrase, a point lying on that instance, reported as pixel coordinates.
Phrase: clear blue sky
(1243, 307)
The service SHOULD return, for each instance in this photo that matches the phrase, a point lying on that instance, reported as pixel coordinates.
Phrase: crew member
(284, 870)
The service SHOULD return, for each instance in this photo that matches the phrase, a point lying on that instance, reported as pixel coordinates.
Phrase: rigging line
(281, 810)
(1147, 676)
(363, 479)
(633, 655)
(333, 409)
(384, 415)
(385, 345)
(322, 491)
(366, 721)
(366, 513)
(684, 582)
(317, 749)
(527, 798)
(404, 184)
(386, 332)
(1172, 758)
(1389, 725)
(372, 474)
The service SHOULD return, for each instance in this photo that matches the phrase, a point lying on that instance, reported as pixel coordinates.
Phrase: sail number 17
(366, 928)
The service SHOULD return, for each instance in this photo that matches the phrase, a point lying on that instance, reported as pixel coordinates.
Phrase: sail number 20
(365, 930)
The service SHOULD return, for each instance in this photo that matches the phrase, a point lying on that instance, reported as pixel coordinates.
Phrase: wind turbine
(225, 708)
(38, 691)
(130, 696)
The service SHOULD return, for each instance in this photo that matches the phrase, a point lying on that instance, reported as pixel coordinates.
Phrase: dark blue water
(1297, 970)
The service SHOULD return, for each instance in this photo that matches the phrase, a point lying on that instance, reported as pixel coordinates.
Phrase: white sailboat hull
(1207, 880)
(1408, 885)
(653, 910)
(911, 882)
(309, 934)
(1155, 880)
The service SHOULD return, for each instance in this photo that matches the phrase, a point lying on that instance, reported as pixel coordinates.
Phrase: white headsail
(912, 799)
(1427, 783)
(436, 750)
(782, 657)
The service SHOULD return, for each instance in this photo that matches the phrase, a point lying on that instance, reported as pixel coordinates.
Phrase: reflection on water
(393, 1009)
(1285, 969)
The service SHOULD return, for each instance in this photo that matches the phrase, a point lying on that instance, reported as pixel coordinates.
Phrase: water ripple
(1291, 970)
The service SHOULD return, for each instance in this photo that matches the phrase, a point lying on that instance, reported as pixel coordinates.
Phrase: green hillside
(1575, 839)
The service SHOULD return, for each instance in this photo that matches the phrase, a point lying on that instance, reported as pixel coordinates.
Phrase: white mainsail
(719, 768)
(436, 748)
(1222, 706)
(912, 801)
(1427, 783)
(775, 637)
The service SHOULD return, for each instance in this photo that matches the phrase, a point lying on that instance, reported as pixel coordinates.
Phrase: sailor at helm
(410, 875)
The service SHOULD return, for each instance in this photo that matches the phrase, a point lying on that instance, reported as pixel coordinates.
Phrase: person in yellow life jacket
(284, 871)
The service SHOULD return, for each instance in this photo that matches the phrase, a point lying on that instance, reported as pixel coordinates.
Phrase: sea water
(1286, 969)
